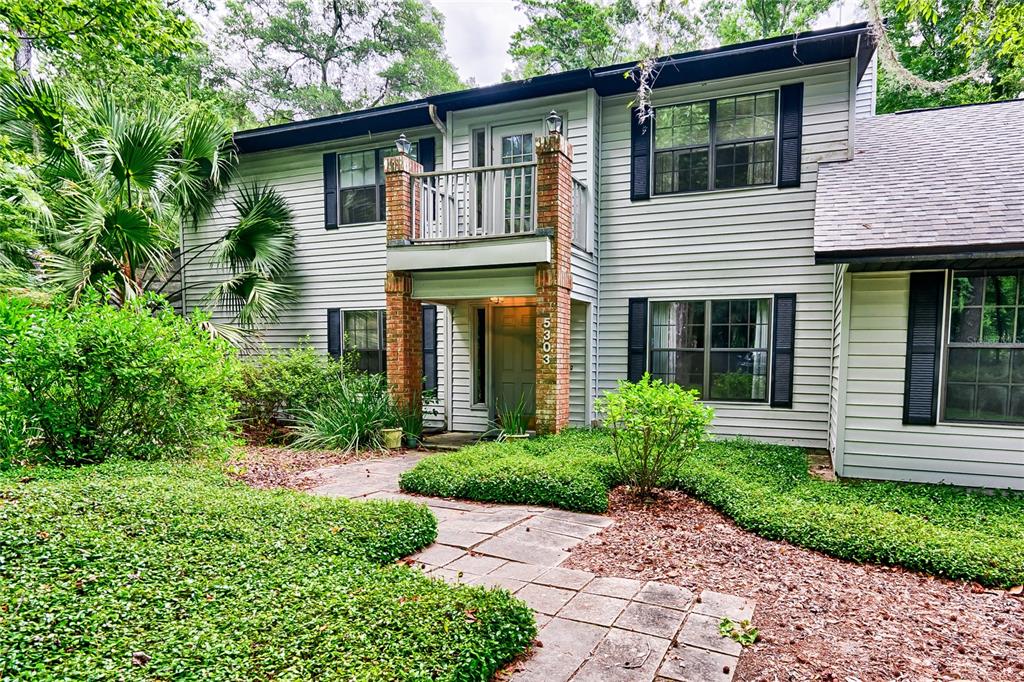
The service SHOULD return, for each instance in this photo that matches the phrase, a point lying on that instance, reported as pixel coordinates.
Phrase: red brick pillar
(404, 314)
(554, 282)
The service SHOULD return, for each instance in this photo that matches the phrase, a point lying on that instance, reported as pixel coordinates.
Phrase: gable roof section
(934, 183)
(800, 49)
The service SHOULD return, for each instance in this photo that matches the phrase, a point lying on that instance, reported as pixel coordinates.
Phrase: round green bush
(87, 381)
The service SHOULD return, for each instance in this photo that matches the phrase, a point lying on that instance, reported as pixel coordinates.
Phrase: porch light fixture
(403, 145)
(554, 122)
(497, 300)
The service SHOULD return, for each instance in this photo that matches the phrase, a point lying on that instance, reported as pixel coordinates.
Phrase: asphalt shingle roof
(937, 181)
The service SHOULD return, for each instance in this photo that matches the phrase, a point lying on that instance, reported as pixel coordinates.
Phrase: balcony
(479, 217)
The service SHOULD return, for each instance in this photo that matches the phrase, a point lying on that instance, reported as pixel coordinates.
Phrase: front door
(514, 367)
(513, 146)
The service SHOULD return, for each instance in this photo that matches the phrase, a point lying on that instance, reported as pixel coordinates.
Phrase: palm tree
(121, 187)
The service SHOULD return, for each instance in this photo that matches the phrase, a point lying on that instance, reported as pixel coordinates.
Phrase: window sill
(996, 426)
(704, 192)
(344, 226)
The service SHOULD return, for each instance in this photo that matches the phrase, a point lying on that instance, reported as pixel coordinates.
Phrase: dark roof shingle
(935, 181)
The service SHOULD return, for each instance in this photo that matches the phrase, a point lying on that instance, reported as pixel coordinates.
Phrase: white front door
(513, 145)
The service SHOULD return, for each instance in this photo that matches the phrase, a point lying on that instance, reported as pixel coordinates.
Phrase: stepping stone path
(592, 629)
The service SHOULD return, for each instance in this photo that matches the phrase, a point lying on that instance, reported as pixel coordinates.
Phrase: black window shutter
(783, 345)
(430, 348)
(791, 124)
(425, 153)
(334, 332)
(637, 339)
(640, 151)
(924, 321)
(330, 191)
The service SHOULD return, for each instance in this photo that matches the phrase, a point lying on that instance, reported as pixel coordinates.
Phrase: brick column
(554, 282)
(404, 314)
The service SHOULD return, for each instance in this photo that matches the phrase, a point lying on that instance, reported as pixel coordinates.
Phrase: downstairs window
(985, 348)
(719, 348)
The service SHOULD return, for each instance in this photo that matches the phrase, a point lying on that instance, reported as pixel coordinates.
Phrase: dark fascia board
(934, 254)
(801, 49)
(353, 124)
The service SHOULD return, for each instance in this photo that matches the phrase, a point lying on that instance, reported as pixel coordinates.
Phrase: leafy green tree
(956, 52)
(737, 21)
(562, 35)
(306, 58)
(138, 52)
(119, 187)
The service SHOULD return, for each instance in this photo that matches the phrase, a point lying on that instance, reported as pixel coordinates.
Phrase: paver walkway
(592, 629)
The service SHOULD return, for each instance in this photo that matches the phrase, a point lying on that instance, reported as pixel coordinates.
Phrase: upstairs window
(715, 144)
(985, 360)
(361, 184)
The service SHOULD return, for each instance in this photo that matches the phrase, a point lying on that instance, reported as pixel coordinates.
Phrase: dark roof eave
(802, 49)
(945, 252)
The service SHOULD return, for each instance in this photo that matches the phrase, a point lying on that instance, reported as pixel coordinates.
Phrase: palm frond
(263, 240)
(140, 155)
(261, 299)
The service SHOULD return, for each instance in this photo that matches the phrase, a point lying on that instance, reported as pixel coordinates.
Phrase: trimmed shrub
(92, 380)
(653, 426)
(572, 471)
(211, 580)
(276, 386)
(351, 416)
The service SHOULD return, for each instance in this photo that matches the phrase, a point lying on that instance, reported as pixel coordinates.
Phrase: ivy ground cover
(764, 488)
(159, 571)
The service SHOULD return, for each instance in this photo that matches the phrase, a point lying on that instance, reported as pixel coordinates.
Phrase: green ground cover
(765, 488)
(160, 571)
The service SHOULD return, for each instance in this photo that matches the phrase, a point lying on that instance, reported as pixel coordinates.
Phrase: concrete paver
(568, 578)
(724, 606)
(593, 608)
(624, 656)
(649, 619)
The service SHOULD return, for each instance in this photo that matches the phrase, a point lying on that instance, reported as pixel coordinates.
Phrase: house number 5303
(546, 342)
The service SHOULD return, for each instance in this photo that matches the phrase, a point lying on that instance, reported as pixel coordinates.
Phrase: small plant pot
(392, 438)
(412, 441)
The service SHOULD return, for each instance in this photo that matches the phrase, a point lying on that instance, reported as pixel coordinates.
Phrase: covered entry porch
(506, 291)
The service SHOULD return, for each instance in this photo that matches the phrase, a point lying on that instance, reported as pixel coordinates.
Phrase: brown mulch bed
(820, 618)
(266, 466)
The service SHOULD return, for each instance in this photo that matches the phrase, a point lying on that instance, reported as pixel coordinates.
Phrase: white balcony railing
(475, 202)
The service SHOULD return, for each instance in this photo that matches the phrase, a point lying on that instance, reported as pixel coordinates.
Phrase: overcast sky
(478, 32)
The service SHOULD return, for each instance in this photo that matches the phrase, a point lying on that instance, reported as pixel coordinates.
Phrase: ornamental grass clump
(352, 416)
(654, 426)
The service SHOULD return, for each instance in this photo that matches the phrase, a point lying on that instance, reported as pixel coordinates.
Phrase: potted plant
(392, 436)
(513, 420)
(411, 423)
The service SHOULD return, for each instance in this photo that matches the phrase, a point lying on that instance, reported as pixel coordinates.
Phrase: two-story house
(761, 238)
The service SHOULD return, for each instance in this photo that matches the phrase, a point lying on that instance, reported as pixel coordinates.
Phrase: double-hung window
(719, 348)
(715, 144)
(985, 351)
(365, 337)
(361, 185)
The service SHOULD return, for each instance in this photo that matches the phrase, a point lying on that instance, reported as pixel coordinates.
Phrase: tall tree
(737, 21)
(561, 35)
(302, 58)
(954, 52)
(138, 52)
